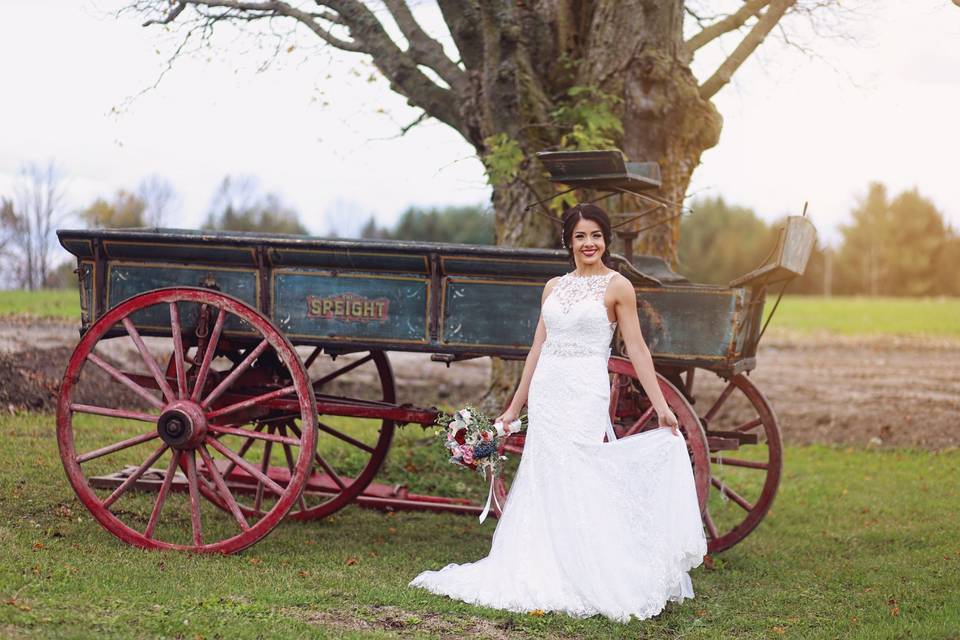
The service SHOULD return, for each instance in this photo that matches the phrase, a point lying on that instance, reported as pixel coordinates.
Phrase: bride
(589, 527)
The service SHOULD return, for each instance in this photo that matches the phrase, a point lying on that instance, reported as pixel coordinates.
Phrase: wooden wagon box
(446, 298)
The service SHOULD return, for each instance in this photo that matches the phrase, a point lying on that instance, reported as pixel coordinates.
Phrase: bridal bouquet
(474, 442)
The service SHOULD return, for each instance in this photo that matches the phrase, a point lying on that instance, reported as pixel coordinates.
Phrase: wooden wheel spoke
(123, 379)
(747, 426)
(264, 468)
(249, 402)
(639, 422)
(235, 373)
(719, 401)
(288, 454)
(148, 359)
(256, 435)
(224, 491)
(730, 493)
(737, 462)
(178, 355)
(342, 370)
(311, 358)
(194, 487)
(711, 526)
(614, 397)
(117, 446)
(114, 413)
(208, 354)
(243, 450)
(162, 494)
(338, 434)
(245, 465)
(330, 471)
(133, 477)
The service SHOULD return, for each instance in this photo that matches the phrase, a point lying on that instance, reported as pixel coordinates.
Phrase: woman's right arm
(530, 364)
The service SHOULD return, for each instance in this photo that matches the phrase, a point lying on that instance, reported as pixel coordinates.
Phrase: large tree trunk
(632, 49)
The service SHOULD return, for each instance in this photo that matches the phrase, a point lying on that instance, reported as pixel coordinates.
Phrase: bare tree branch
(366, 35)
(424, 49)
(731, 22)
(748, 45)
(170, 17)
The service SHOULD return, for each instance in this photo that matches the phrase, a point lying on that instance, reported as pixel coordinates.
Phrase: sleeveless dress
(589, 527)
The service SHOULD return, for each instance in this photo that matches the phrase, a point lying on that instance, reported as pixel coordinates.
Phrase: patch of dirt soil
(863, 391)
(30, 380)
(402, 622)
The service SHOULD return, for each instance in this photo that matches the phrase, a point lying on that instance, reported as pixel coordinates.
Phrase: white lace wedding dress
(589, 527)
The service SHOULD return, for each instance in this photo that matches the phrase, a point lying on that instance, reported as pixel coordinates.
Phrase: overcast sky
(320, 128)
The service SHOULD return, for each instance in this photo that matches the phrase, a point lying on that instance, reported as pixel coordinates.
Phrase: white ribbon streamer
(490, 496)
(498, 426)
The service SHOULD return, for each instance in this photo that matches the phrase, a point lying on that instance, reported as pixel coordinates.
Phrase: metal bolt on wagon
(224, 381)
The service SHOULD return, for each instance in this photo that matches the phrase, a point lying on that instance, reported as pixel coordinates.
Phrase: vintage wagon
(245, 377)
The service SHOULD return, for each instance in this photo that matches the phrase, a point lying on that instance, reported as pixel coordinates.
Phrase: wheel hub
(182, 425)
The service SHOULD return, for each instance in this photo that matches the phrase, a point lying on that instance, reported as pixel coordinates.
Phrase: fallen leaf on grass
(537, 612)
(13, 602)
(351, 561)
(780, 630)
(37, 546)
(255, 560)
(303, 574)
(392, 530)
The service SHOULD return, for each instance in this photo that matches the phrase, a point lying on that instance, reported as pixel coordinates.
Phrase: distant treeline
(899, 246)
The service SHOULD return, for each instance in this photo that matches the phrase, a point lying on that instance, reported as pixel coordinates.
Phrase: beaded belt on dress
(560, 348)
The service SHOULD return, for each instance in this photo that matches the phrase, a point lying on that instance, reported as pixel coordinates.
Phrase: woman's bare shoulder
(621, 286)
(548, 287)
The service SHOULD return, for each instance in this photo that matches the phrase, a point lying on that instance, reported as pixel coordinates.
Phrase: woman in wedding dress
(589, 527)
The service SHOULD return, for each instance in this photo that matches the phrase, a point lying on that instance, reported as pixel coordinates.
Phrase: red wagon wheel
(746, 456)
(351, 445)
(631, 412)
(118, 407)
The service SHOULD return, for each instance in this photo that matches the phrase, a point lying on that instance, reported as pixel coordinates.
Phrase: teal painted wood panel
(366, 308)
(490, 313)
(127, 280)
(689, 322)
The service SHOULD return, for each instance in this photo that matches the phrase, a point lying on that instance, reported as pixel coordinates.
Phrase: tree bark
(632, 49)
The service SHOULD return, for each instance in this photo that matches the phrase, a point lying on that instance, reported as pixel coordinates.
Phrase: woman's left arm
(628, 321)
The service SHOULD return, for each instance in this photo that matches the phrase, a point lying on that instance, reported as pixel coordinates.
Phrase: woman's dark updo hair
(575, 214)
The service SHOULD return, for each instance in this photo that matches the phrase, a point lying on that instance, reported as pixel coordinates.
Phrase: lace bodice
(576, 317)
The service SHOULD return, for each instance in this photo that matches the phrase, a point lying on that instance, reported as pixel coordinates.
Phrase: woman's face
(587, 243)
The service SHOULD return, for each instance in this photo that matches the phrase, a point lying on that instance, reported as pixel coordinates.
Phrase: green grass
(855, 536)
(849, 315)
(47, 303)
